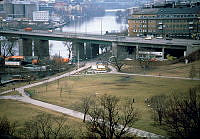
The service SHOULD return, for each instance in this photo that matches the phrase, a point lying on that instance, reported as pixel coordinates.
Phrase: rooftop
(185, 10)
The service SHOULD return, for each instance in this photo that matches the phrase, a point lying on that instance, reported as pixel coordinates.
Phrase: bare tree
(7, 128)
(144, 63)
(7, 47)
(86, 102)
(69, 47)
(179, 113)
(158, 103)
(145, 58)
(108, 119)
(182, 116)
(59, 128)
(193, 71)
(117, 62)
(45, 126)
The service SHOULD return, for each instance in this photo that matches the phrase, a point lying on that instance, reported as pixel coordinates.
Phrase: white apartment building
(41, 16)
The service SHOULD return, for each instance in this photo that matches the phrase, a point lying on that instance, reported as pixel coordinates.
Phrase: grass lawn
(23, 83)
(11, 93)
(68, 91)
(21, 112)
(12, 85)
(178, 70)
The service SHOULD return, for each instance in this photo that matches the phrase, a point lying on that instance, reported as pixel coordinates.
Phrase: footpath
(25, 98)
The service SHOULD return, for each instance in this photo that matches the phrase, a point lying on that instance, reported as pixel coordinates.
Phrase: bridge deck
(63, 36)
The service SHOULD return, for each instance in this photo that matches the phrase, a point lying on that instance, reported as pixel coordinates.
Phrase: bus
(155, 56)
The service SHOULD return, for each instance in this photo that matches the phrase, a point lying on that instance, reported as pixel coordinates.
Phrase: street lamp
(74, 26)
(78, 58)
(101, 26)
(86, 24)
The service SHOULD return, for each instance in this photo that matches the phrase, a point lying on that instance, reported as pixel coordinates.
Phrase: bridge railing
(74, 35)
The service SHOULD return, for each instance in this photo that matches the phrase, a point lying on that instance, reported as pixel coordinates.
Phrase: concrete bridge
(87, 45)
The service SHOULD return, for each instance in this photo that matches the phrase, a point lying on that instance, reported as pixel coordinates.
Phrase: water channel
(95, 25)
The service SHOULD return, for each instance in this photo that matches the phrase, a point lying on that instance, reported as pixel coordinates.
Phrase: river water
(95, 25)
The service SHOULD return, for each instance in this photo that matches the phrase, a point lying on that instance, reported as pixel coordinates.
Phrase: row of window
(169, 16)
(143, 21)
(164, 26)
(164, 21)
(177, 15)
(178, 26)
(144, 26)
(143, 30)
(176, 31)
(176, 21)
(164, 31)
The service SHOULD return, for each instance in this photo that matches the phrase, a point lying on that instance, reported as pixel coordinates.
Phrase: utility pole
(101, 27)
(74, 26)
(78, 58)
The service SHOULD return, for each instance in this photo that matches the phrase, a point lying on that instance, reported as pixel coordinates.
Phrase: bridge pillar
(95, 50)
(41, 48)
(0, 55)
(92, 50)
(192, 48)
(88, 51)
(163, 53)
(25, 47)
(78, 49)
(123, 52)
(137, 52)
(114, 49)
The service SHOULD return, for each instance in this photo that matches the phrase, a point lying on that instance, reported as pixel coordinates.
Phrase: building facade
(166, 22)
(20, 9)
(41, 16)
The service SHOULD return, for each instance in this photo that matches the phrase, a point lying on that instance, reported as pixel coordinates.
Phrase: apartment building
(166, 22)
(41, 16)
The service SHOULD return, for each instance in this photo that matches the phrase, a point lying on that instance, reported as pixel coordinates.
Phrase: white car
(34, 67)
(148, 38)
(159, 37)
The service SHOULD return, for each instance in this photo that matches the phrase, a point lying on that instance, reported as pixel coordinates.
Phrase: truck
(61, 60)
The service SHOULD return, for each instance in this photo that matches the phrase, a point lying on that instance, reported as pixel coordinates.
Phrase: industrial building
(19, 9)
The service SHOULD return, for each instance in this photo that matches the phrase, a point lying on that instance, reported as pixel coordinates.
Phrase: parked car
(34, 67)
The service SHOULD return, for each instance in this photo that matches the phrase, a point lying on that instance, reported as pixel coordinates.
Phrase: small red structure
(28, 29)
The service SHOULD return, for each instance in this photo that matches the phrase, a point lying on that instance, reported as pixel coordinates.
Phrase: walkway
(73, 113)
(25, 98)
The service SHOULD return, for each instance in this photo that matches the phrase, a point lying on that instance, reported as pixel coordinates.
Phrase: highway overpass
(88, 44)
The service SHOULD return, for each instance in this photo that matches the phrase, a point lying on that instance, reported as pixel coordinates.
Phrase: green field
(21, 112)
(68, 91)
